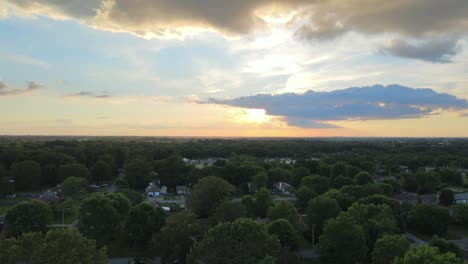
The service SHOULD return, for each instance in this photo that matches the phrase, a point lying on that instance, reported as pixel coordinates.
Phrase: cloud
(313, 19)
(306, 123)
(101, 95)
(30, 87)
(376, 102)
(437, 50)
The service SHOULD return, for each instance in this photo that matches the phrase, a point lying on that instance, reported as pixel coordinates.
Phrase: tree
(429, 219)
(387, 189)
(31, 216)
(3, 181)
(342, 241)
(446, 246)
(65, 246)
(171, 171)
(73, 169)
(389, 247)
(177, 237)
(260, 180)
(243, 241)
(363, 178)
(263, 201)
(208, 193)
(460, 214)
(393, 182)
(133, 196)
(427, 255)
(446, 197)
(408, 182)
(72, 186)
(143, 221)
(138, 173)
(375, 220)
(297, 174)
(285, 210)
(286, 233)
(317, 183)
(320, 210)
(101, 171)
(427, 182)
(304, 194)
(341, 181)
(451, 176)
(249, 205)
(229, 211)
(27, 174)
(380, 199)
(102, 215)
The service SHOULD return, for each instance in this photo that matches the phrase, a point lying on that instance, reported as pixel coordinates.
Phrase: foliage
(260, 180)
(460, 214)
(304, 194)
(133, 196)
(73, 169)
(31, 216)
(341, 181)
(342, 241)
(27, 174)
(286, 210)
(72, 186)
(101, 171)
(177, 237)
(65, 246)
(243, 241)
(363, 178)
(263, 200)
(427, 182)
(229, 211)
(138, 173)
(285, 231)
(389, 247)
(446, 246)
(320, 210)
(297, 174)
(429, 219)
(427, 255)
(143, 221)
(446, 197)
(317, 183)
(208, 193)
(171, 170)
(393, 182)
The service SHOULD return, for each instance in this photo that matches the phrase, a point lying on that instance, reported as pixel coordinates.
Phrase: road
(416, 240)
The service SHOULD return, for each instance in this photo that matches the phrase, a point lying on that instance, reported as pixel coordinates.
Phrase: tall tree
(427, 255)
(263, 200)
(72, 186)
(286, 210)
(73, 169)
(208, 193)
(320, 210)
(229, 211)
(27, 175)
(101, 171)
(143, 221)
(389, 247)
(428, 219)
(243, 241)
(138, 173)
(287, 233)
(32, 216)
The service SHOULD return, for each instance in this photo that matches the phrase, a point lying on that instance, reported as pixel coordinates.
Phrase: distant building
(182, 190)
(49, 197)
(414, 198)
(163, 190)
(460, 198)
(283, 187)
(152, 190)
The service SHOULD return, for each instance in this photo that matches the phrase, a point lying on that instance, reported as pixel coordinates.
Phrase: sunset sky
(247, 68)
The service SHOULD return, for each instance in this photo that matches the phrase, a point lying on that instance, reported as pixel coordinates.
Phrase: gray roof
(181, 188)
(461, 196)
(49, 197)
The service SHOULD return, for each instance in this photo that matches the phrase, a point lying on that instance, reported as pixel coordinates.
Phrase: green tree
(260, 180)
(263, 200)
(460, 214)
(65, 246)
(143, 221)
(427, 255)
(387, 189)
(172, 171)
(389, 247)
(177, 237)
(73, 169)
(286, 210)
(446, 197)
(286, 233)
(72, 186)
(304, 194)
(27, 175)
(3, 181)
(320, 210)
(446, 246)
(427, 181)
(208, 193)
(102, 215)
(363, 178)
(229, 211)
(429, 219)
(133, 196)
(342, 241)
(243, 241)
(297, 174)
(138, 173)
(341, 181)
(317, 183)
(31, 216)
(408, 182)
(394, 183)
(101, 171)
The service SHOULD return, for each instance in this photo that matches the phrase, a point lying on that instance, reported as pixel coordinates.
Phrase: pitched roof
(49, 197)
(152, 188)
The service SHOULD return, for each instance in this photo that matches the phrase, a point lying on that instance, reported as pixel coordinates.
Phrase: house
(251, 187)
(283, 187)
(49, 197)
(182, 189)
(460, 198)
(414, 198)
(152, 190)
(164, 190)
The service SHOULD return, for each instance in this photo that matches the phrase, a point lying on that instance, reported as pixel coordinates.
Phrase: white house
(460, 198)
(283, 187)
(152, 190)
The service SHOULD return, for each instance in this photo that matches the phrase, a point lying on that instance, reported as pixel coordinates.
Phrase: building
(460, 198)
(182, 190)
(152, 190)
(49, 197)
(163, 190)
(414, 198)
(283, 187)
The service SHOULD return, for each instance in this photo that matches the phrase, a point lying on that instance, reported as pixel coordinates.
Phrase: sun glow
(255, 116)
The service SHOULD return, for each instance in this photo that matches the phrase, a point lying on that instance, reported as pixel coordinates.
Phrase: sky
(223, 68)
